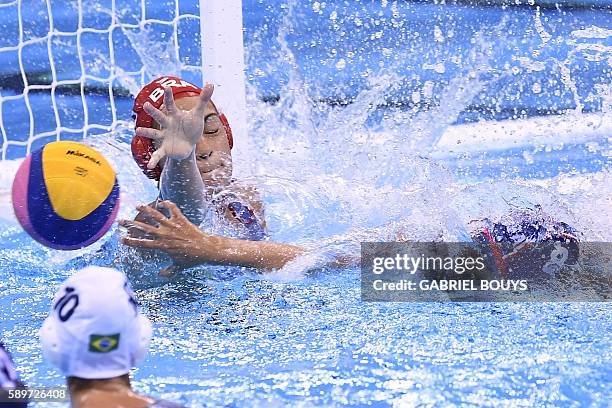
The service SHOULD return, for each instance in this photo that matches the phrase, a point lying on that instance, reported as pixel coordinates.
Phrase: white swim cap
(94, 330)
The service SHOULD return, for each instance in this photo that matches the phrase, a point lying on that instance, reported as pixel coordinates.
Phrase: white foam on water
(592, 32)
(356, 201)
(8, 169)
(532, 132)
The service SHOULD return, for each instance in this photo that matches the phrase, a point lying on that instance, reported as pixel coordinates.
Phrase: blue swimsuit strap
(246, 217)
(243, 214)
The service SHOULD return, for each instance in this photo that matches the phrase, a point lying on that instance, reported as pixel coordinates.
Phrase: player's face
(213, 154)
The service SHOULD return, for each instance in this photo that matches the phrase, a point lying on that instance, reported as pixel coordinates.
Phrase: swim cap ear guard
(142, 147)
(145, 333)
(59, 352)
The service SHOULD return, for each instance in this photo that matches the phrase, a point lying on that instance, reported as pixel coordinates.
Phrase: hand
(180, 130)
(188, 246)
(184, 242)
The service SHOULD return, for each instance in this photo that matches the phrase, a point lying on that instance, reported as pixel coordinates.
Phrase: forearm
(253, 254)
(182, 184)
(264, 255)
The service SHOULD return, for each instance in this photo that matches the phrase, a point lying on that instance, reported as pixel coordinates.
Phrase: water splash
(159, 56)
(334, 173)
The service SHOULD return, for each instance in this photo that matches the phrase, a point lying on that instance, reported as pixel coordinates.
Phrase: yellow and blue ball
(66, 195)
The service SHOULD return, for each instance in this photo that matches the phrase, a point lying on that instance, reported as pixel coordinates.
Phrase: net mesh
(69, 69)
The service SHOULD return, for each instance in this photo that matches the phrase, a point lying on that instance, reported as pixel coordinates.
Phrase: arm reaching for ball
(188, 246)
(179, 132)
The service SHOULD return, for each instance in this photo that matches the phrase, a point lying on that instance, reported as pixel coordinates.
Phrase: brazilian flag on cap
(103, 344)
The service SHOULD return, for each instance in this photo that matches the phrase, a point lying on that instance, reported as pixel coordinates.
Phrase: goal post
(221, 29)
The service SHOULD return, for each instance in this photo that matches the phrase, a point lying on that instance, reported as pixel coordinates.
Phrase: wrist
(188, 157)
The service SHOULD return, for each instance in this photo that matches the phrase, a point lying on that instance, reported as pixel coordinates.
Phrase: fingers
(138, 226)
(156, 114)
(204, 98)
(156, 157)
(169, 100)
(155, 215)
(149, 133)
(175, 212)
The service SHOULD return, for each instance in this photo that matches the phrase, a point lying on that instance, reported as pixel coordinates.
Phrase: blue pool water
(364, 117)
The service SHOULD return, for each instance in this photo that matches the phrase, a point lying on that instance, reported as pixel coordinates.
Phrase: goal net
(69, 69)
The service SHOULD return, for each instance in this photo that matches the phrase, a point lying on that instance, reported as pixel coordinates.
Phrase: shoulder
(8, 376)
(96, 398)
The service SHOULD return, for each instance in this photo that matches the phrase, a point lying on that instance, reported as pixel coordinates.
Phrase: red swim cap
(143, 147)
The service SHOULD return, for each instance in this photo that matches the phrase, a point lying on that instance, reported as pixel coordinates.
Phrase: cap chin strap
(54, 351)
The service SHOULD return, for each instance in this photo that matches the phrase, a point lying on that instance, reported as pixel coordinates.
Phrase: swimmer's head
(95, 330)
(524, 245)
(213, 151)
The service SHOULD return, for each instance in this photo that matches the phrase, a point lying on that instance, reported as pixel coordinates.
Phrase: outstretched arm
(181, 183)
(179, 132)
(189, 246)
